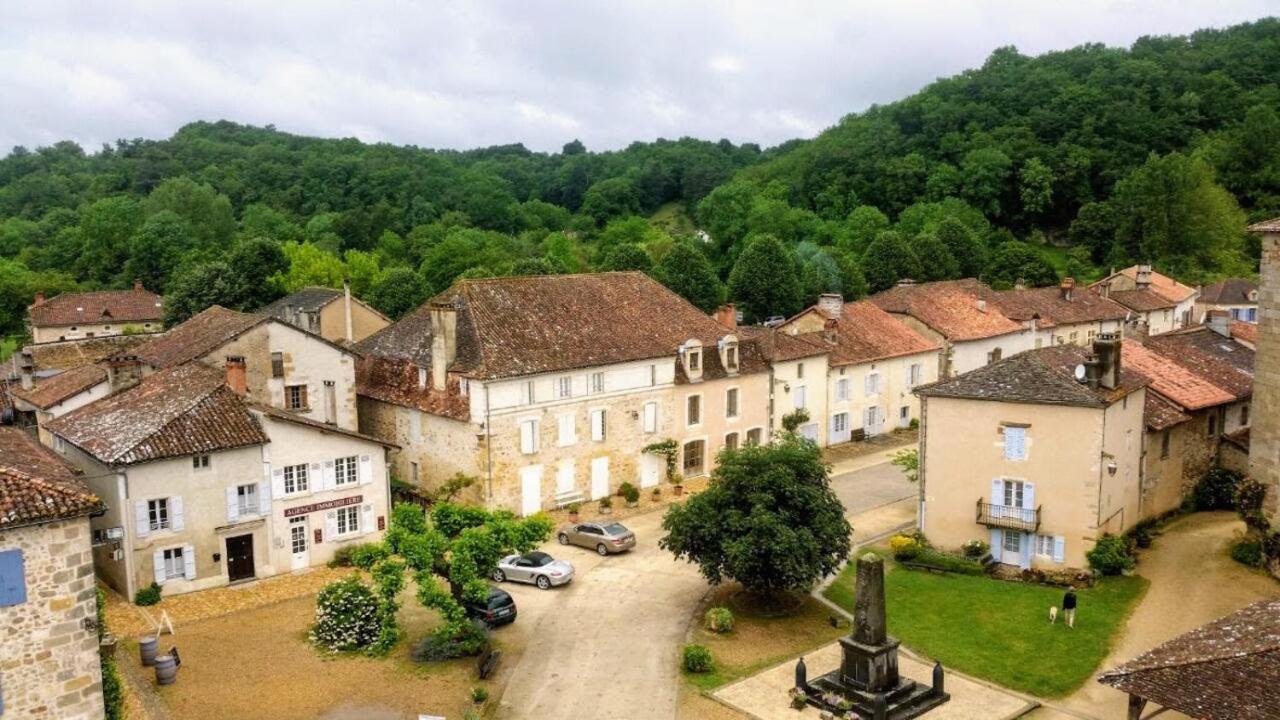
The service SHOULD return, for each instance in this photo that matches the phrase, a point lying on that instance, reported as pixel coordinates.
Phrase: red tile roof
(273, 413)
(1050, 307)
(1185, 388)
(1245, 333)
(395, 381)
(775, 345)
(50, 391)
(107, 306)
(1219, 360)
(201, 334)
(1141, 300)
(865, 333)
(180, 411)
(1163, 285)
(36, 486)
(23, 452)
(958, 309)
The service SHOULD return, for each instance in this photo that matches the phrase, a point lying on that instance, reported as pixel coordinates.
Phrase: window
(175, 567)
(199, 462)
(1050, 546)
(345, 471)
(1012, 541)
(731, 357)
(731, 441)
(566, 430)
(413, 472)
(904, 414)
(799, 371)
(1164, 443)
(247, 499)
(564, 387)
(330, 402)
(840, 423)
(993, 356)
(1014, 492)
(753, 436)
(695, 359)
(693, 457)
(597, 425)
(158, 514)
(59, 444)
(528, 436)
(798, 397)
(1213, 425)
(526, 393)
(298, 534)
(295, 479)
(693, 410)
(277, 364)
(1244, 414)
(597, 382)
(915, 373)
(731, 403)
(1074, 336)
(295, 397)
(349, 520)
(651, 417)
(1015, 443)
(464, 387)
(872, 383)
(842, 389)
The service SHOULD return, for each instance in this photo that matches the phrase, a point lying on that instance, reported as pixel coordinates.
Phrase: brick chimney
(237, 375)
(1067, 287)
(1107, 349)
(727, 315)
(444, 342)
(1143, 279)
(39, 297)
(831, 303)
(123, 372)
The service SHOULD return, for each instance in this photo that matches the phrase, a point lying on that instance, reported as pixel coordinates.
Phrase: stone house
(332, 314)
(548, 389)
(49, 665)
(1038, 454)
(1063, 314)
(1237, 297)
(961, 316)
(875, 361)
(797, 379)
(206, 487)
(1264, 435)
(37, 402)
(72, 316)
(1161, 302)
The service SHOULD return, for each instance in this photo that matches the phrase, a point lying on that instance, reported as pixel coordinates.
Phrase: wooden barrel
(147, 649)
(166, 670)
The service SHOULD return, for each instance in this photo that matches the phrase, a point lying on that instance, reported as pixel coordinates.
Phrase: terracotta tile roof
(1163, 285)
(1044, 376)
(1141, 300)
(951, 307)
(199, 335)
(1272, 225)
(778, 346)
(1159, 413)
(750, 361)
(36, 485)
(395, 381)
(1245, 333)
(1232, 291)
(179, 411)
(865, 333)
(69, 354)
(1051, 308)
(106, 306)
(1219, 360)
(1226, 670)
(273, 413)
(50, 391)
(1185, 388)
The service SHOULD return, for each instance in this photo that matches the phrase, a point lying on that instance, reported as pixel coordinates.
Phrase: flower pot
(678, 490)
(107, 646)
(606, 511)
(573, 517)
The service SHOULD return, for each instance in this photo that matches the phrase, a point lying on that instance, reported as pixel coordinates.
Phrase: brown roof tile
(22, 451)
(1232, 291)
(1185, 388)
(1272, 225)
(1045, 376)
(865, 333)
(69, 354)
(750, 361)
(1220, 360)
(179, 411)
(50, 391)
(394, 380)
(36, 485)
(954, 308)
(1159, 413)
(97, 307)
(1051, 307)
(1162, 285)
(1141, 300)
(273, 413)
(199, 335)
(1245, 333)
(775, 345)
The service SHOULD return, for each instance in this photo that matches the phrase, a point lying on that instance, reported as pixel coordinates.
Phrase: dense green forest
(1028, 168)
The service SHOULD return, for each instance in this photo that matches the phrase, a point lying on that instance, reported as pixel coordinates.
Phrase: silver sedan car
(538, 568)
(604, 538)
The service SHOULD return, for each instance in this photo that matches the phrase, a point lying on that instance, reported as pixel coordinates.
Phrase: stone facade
(1264, 440)
(49, 666)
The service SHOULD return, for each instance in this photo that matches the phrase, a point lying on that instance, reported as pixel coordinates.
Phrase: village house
(549, 389)
(1038, 454)
(875, 361)
(35, 403)
(1063, 315)
(1159, 301)
(205, 487)
(1264, 433)
(49, 666)
(334, 315)
(1238, 297)
(960, 316)
(72, 316)
(797, 379)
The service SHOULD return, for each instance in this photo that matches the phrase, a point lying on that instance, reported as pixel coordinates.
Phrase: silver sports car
(538, 568)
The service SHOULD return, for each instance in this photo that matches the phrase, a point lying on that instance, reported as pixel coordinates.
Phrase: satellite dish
(1080, 372)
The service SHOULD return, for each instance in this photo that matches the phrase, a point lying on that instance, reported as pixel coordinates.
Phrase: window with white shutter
(842, 389)
(872, 383)
(651, 417)
(597, 425)
(1015, 443)
(798, 397)
(528, 436)
(567, 430)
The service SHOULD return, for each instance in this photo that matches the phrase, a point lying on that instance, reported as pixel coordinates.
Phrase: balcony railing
(1009, 517)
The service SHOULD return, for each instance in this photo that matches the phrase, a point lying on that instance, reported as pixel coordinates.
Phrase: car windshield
(615, 529)
(497, 601)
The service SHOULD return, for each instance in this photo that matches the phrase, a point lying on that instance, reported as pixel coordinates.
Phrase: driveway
(605, 646)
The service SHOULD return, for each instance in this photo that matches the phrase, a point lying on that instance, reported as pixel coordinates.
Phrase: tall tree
(965, 246)
(688, 273)
(765, 281)
(889, 259)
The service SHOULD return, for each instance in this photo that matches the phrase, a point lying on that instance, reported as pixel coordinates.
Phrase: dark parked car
(604, 538)
(497, 609)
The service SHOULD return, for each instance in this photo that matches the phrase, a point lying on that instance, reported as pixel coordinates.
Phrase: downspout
(488, 449)
(122, 488)
(920, 460)
(1102, 469)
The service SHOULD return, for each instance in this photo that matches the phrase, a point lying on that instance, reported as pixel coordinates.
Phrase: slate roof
(118, 306)
(179, 411)
(1141, 300)
(1050, 308)
(1187, 389)
(864, 333)
(197, 336)
(1232, 291)
(308, 298)
(1226, 670)
(50, 391)
(36, 486)
(776, 345)
(950, 307)
(1044, 376)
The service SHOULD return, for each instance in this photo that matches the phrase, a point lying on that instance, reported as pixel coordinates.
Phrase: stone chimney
(237, 376)
(1219, 321)
(1067, 287)
(1107, 349)
(727, 315)
(444, 342)
(831, 330)
(39, 297)
(123, 372)
(831, 303)
(1143, 279)
(982, 305)
(346, 299)
(26, 367)
(1137, 329)
(1020, 284)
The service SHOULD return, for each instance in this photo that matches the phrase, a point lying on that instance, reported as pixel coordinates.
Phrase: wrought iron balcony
(1008, 517)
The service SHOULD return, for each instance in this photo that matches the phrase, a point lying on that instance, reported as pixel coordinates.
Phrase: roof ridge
(525, 278)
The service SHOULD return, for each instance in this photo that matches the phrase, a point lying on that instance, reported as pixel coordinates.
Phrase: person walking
(1069, 606)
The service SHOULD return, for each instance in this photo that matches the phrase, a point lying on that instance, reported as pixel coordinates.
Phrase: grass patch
(1000, 630)
(8, 345)
(673, 219)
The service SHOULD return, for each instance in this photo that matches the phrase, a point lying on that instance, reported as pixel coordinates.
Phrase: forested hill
(1157, 152)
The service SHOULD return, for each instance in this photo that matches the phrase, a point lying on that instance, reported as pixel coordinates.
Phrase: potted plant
(630, 493)
(677, 484)
(573, 511)
(606, 505)
(656, 494)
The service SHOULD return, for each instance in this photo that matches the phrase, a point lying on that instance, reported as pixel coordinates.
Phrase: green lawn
(1000, 630)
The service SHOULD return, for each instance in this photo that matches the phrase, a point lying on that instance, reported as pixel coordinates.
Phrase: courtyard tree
(768, 520)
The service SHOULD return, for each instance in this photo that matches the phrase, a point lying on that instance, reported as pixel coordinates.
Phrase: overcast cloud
(462, 75)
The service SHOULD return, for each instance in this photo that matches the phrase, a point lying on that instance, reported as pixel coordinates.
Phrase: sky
(462, 75)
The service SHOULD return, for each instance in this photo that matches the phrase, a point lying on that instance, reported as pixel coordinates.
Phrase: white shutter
(1029, 495)
(528, 436)
(176, 522)
(997, 491)
(330, 476)
(366, 470)
(233, 504)
(1059, 548)
(142, 521)
(798, 397)
(868, 384)
(1015, 443)
(651, 417)
(277, 482)
(597, 425)
(157, 560)
(264, 498)
(366, 520)
(330, 525)
(568, 430)
(189, 562)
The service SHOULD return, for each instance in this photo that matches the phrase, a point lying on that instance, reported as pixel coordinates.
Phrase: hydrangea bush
(348, 616)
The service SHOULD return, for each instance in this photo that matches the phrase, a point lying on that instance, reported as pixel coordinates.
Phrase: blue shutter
(13, 581)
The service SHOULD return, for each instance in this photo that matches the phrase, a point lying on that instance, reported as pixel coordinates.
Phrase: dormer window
(691, 356)
(729, 353)
(695, 360)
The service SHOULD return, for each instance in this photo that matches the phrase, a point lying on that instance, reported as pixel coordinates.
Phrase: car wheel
(564, 539)
(543, 583)
(602, 550)
(498, 575)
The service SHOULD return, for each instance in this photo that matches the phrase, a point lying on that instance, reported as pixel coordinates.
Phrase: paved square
(764, 696)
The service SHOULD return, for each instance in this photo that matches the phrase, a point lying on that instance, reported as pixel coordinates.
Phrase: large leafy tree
(768, 519)
(889, 259)
(1014, 262)
(198, 286)
(627, 257)
(398, 291)
(765, 281)
(688, 273)
(968, 250)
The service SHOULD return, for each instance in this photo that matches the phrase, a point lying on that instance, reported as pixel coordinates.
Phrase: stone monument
(867, 681)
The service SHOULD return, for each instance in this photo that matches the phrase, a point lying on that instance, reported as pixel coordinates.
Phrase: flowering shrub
(719, 620)
(348, 616)
(904, 547)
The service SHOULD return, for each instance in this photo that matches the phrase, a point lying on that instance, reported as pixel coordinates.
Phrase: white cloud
(466, 74)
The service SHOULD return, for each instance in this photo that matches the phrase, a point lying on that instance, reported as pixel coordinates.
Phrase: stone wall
(49, 665)
(1264, 436)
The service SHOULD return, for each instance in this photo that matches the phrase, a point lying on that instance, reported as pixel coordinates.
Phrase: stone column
(868, 611)
(1264, 435)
